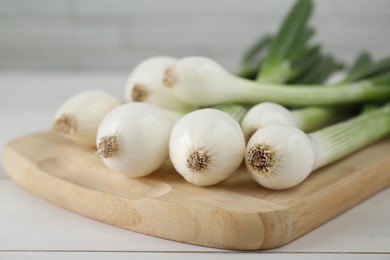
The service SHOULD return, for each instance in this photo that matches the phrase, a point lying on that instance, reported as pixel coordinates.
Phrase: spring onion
(145, 85)
(80, 115)
(268, 113)
(133, 138)
(203, 82)
(280, 157)
(206, 146)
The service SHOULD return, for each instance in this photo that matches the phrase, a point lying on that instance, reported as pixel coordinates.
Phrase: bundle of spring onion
(200, 115)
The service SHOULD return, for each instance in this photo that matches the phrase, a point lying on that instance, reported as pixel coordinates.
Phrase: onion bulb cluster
(169, 115)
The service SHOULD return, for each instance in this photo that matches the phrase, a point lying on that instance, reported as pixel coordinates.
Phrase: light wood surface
(180, 256)
(236, 214)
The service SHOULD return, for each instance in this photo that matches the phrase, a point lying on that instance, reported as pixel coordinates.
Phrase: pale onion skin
(86, 109)
(294, 156)
(143, 133)
(266, 113)
(198, 75)
(149, 74)
(214, 132)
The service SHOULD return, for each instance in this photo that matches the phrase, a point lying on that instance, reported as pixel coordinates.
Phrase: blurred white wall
(116, 34)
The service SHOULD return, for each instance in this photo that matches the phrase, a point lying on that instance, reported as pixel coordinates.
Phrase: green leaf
(285, 42)
(369, 71)
(363, 60)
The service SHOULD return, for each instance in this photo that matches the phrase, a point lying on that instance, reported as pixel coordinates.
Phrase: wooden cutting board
(235, 214)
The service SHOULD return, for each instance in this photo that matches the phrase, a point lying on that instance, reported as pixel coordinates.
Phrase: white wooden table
(31, 228)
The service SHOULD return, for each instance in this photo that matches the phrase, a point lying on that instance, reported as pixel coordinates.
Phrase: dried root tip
(108, 146)
(261, 158)
(250, 132)
(65, 124)
(139, 93)
(198, 161)
(170, 77)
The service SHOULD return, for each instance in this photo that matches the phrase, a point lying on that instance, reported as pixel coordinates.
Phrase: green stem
(246, 91)
(237, 111)
(309, 118)
(313, 117)
(337, 141)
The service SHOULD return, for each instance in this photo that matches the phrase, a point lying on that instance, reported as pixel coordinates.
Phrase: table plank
(180, 256)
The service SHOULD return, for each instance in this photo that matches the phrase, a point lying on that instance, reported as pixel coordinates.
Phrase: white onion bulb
(79, 117)
(279, 156)
(147, 84)
(133, 138)
(206, 146)
(200, 81)
(266, 113)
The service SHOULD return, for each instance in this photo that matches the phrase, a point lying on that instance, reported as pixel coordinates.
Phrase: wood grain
(235, 214)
